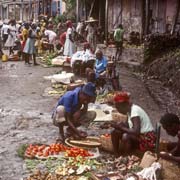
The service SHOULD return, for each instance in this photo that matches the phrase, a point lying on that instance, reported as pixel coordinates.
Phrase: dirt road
(25, 113)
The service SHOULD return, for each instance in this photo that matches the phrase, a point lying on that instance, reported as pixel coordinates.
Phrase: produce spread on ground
(68, 162)
(58, 161)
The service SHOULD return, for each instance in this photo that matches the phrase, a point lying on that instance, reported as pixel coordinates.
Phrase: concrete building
(58, 7)
(142, 16)
(30, 9)
(16, 9)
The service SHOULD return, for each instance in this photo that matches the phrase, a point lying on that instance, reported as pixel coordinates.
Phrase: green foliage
(70, 4)
(49, 164)
(61, 18)
(47, 58)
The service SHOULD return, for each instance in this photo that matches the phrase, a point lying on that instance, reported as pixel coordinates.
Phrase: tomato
(46, 153)
(28, 152)
(40, 148)
(40, 154)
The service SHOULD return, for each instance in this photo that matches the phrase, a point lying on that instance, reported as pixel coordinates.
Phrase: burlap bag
(170, 171)
(148, 159)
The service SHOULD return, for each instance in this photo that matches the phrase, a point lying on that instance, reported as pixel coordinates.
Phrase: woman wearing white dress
(69, 43)
(51, 35)
(10, 42)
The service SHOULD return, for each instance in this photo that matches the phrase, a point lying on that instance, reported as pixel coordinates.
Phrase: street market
(88, 92)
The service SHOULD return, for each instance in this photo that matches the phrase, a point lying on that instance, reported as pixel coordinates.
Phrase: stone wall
(156, 44)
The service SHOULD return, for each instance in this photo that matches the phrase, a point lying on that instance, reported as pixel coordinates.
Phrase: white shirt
(50, 34)
(69, 32)
(4, 29)
(137, 111)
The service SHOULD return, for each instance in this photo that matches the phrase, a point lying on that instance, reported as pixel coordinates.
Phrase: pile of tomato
(44, 150)
(75, 152)
(54, 149)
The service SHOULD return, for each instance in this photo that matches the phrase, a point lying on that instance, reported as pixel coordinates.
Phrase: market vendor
(72, 109)
(51, 35)
(69, 46)
(100, 65)
(171, 123)
(84, 56)
(137, 133)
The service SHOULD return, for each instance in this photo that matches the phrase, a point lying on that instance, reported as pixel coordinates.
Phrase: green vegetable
(21, 150)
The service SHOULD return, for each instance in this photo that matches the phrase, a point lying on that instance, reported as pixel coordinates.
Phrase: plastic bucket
(4, 57)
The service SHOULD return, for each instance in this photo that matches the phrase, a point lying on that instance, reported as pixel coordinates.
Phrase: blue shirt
(101, 65)
(70, 100)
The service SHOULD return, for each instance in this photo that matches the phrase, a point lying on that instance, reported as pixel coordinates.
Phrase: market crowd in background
(47, 33)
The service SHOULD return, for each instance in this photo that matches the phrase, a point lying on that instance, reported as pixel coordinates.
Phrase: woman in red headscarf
(137, 133)
(69, 43)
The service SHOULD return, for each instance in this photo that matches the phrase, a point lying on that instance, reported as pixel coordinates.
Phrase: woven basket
(170, 170)
(106, 143)
(89, 146)
(148, 159)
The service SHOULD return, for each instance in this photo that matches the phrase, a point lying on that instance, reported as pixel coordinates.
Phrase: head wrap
(86, 45)
(69, 23)
(121, 97)
(50, 26)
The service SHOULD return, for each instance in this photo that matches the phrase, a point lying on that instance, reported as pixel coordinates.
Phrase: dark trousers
(5, 36)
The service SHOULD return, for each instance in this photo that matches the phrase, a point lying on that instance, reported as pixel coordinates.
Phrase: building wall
(114, 14)
(16, 10)
(63, 6)
(132, 16)
(170, 12)
(126, 12)
(29, 9)
(58, 7)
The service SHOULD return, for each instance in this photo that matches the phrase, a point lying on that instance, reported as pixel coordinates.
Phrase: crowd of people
(26, 38)
(30, 37)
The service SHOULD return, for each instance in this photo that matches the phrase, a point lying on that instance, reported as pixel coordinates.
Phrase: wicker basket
(106, 143)
(88, 146)
(118, 117)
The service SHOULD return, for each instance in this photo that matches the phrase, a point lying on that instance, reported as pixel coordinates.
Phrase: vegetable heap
(75, 152)
(45, 151)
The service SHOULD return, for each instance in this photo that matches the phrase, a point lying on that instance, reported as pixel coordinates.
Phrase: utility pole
(21, 10)
(77, 11)
(29, 9)
(147, 5)
(106, 20)
(14, 9)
